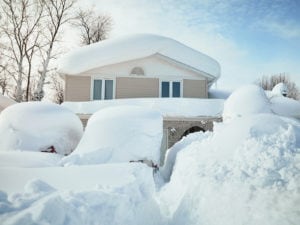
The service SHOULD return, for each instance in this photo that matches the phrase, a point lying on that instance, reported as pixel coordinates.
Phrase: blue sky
(248, 38)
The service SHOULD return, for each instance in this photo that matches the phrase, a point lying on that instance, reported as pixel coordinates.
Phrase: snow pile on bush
(36, 126)
(246, 172)
(41, 203)
(120, 134)
(247, 100)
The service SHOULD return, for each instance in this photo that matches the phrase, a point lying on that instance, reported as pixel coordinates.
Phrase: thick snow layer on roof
(36, 126)
(173, 107)
(120, 134)
(133, 47)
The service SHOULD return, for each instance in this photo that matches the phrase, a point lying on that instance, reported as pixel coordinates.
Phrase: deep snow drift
(247, 171)
(103, 194)
(36, 126)
(120, 134)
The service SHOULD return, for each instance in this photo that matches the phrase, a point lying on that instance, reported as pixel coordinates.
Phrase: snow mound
(251, 164)
(132, 47)
(36, 126)
(284, 106)
(280, 89)
(120, 134)
(247, 100)
(129, 203)
(166, 106)
(28, 159)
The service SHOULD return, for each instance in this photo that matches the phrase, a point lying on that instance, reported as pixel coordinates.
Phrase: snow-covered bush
(246, 100)
(120, 134)
(39, 126)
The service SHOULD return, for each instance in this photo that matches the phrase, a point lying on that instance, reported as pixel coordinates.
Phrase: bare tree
(93, 27)
(57, 13)
(57, 86)
(268, 82)
(20, 24)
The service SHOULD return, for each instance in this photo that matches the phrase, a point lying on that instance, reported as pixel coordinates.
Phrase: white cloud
(284, 29)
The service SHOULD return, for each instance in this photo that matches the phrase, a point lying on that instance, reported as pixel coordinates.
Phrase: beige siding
(77, 88)
(194, 88)
(127, 87)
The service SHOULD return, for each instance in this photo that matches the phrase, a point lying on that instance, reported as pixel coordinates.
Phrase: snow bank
(36, 126)
(251, 164)
(133, 47)
(280, 89)
(28, 159)
(127, 201)
(285, 106)
(247, 100)
(187, 107)
(120, 134)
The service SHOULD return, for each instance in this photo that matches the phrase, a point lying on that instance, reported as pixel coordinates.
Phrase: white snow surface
(246, 100)
(28, 159)
(36, 126)
(246, 172)
(102, 194)
(120, 134)
(133, 47)
(173, 107)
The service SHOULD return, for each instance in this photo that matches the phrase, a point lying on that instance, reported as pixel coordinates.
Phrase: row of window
(104, 89)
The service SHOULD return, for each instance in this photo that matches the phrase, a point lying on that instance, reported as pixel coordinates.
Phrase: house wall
(195, 88)
(127, 87)
(156, 69)
(77, 88)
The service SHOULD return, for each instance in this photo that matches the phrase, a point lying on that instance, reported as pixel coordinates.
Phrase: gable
(152, 66)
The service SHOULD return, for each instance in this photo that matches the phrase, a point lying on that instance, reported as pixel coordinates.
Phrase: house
(5, 102)
(137, 66)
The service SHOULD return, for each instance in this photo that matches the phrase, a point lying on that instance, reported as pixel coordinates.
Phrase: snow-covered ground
(247, 171)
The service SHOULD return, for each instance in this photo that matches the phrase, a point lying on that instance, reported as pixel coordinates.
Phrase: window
(103, 89)
(137, 71)
(170, 89)
(165, 89)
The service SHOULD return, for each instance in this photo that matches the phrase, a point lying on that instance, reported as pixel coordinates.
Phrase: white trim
(103, 78)
(171, 87)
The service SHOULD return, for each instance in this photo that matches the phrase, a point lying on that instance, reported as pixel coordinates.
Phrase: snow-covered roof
(133, 47)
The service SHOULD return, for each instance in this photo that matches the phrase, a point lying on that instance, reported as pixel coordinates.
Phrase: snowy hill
(247, 171)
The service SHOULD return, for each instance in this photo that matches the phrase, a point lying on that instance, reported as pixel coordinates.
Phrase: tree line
(30, 36)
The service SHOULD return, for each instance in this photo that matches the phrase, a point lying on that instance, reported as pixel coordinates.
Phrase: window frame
(170, 81)
(103, 87)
